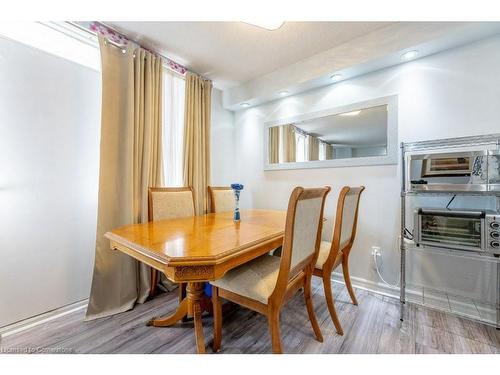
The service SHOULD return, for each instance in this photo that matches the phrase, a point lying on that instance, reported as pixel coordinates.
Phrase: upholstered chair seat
(255, 280)
(324, 251)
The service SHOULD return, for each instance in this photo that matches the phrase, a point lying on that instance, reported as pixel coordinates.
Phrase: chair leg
(347, 279)
(154, 282)
(217, 307)
(310, 308)
(327, 284)
(273, 319)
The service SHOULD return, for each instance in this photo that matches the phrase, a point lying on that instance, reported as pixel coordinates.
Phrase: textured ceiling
(231, 53)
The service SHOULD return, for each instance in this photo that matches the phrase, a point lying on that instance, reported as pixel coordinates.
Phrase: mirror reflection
(353, 134)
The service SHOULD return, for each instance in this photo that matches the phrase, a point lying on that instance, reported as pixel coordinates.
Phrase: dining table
(199, 249)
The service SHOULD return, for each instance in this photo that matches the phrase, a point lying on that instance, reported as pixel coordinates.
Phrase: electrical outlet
(376, 251)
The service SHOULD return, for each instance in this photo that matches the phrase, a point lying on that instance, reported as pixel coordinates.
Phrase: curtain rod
(112, 33)
(95, 27)
(171, 64)
(306, 134)
(114, 38)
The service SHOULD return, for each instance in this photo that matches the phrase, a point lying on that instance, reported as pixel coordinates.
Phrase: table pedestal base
(191, 305)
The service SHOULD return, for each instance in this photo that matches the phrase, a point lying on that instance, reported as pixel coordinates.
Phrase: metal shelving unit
(488, 314)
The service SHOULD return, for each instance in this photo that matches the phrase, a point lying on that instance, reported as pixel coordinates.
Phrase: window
(301, 147)
(281, 151)
(322, 150)
(173, 127)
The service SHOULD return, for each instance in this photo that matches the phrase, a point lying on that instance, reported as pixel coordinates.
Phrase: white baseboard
(381, 288)
(42, 318)
(371, 286)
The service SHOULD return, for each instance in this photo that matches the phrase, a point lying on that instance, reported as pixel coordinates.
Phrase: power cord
(380, 275)
(451, 200)
(408, 234)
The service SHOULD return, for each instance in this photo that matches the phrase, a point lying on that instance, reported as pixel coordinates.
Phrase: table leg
(169, 320)
(194, 296)
(191, 305)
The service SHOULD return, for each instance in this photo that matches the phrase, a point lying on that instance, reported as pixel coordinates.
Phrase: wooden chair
(266, 283)
(332, 254)
(221, 198)
(169, 203)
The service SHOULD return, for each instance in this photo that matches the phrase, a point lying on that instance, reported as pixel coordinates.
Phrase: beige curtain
(197, 139)
(130, 162)
(329, 152)
(289, 144)
(313, 147)
(274, 144)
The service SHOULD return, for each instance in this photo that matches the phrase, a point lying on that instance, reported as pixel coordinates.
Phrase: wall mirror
(363, 133)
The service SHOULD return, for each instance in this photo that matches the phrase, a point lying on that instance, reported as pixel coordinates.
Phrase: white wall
(222, 143)
(451, 94)
(49, 160)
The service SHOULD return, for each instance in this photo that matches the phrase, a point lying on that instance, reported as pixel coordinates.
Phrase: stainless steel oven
(464, 171)
(470, 230)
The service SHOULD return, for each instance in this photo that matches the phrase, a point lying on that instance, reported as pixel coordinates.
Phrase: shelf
(443, 144)
(444, 301)
(425, 249)
(461, 305)
(458, 193)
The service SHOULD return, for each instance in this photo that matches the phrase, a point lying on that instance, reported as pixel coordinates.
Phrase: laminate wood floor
(371, 327)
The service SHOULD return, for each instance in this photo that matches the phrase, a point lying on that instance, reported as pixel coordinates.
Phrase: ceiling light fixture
(336, 77)
(266, 24)
(352, 113)
(284, 93)
(245, 105)
(409, 55)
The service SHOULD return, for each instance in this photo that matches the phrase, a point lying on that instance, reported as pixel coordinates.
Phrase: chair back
(346, 220)
(170, 203)
(302, 238)
(221, 198)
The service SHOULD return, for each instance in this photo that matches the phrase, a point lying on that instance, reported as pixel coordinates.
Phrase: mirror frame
(392, 137)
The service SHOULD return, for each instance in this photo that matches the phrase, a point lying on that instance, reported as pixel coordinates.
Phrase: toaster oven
(469, 230)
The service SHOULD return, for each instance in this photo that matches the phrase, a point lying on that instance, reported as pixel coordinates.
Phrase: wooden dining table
(198, 249)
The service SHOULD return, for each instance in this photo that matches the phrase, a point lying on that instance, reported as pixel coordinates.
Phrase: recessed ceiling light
(267, 24)
(409, 55)
(245, 104)
(284, 93)
(352, 113)
(336, 77)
